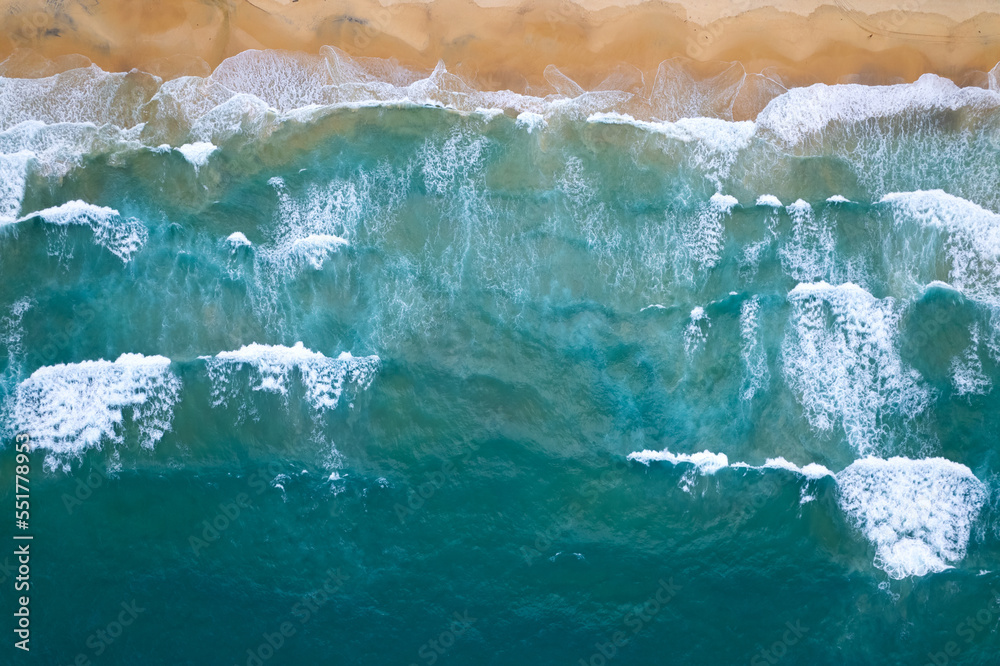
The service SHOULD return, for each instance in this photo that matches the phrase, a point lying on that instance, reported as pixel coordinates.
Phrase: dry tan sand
(499, 45)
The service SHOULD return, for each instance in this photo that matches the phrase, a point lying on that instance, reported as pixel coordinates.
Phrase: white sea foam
(706, 462)
(811, 471)
(724, 202)
(73, 212)
(178, 104)
(750, 259)
(840, 358)
(719, 90)
(241, 114)
(531, 121)
(444, 165)
(310, 228)
(489, 114)
(967, 374)
(315, 249)
(769, 200)
(284, 80)
(938, 284)
(121, 236)
(697, 329)
(917, 513)
(238, 239)
(808, 254)
(255, 92)
(314, 223)
(757, 374)
(838, 198)
(335, 209)
(713, 144)
(72, 407)
(971, 242)
(702, 236)
(57, 149)
(717, 135)
(801, 113)
(12, 342)
(197, 153)
(85, 94)
(271, 366)
(13, 179)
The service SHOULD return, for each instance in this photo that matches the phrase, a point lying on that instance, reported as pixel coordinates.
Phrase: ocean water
(324, 361)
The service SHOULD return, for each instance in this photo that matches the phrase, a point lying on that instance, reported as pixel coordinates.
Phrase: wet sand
(504, 45)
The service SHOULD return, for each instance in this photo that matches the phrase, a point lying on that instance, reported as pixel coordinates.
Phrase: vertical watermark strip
(22, 541)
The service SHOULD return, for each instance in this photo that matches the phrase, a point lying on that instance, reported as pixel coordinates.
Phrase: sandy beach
(507, 45)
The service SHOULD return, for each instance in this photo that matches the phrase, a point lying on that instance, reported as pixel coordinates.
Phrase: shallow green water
(525, 308)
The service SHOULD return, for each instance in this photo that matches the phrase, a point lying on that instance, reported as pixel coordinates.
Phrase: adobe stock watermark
(559, 524)
(634, 621)
(928, 330)
(417, 496)
(564, 520)
(706, 36)
(564, 12)
(59, 340)
(885, 22)
(103, 638)
(897, 17)
(793, 633)
(993, 137)
(210, 529)
(84, 490)
(365, 31)
(968, 629)
(304, 610)
(435, 648)
(29, 28)
(768, 488)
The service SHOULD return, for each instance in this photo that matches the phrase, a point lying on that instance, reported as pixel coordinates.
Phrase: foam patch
(70, 408)
(917, 513)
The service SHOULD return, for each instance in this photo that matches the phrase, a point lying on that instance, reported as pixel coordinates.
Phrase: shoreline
(508, 46)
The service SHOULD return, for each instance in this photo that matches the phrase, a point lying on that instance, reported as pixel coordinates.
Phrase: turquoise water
(545, 385)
